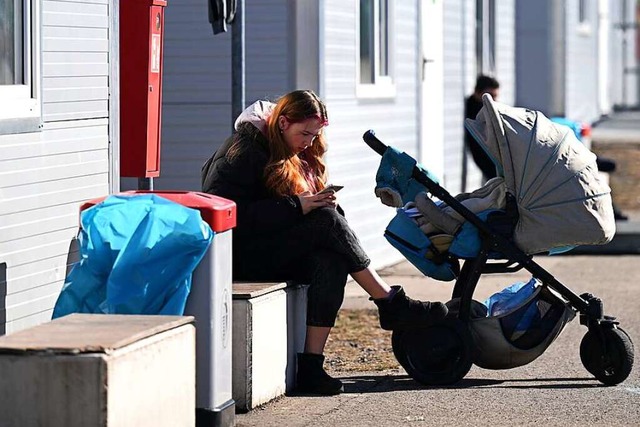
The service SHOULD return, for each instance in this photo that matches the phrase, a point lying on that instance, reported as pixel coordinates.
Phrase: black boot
(401, 312)
(311, 377)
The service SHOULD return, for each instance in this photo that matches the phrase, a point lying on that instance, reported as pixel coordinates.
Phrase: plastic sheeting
(137, 257)
(512, 297)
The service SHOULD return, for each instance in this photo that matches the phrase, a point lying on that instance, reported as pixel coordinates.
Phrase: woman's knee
(327, 218)
(326, 229)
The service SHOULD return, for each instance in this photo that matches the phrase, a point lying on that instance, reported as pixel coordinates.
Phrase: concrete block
(100, 370)
(296, 328)
(269, 325)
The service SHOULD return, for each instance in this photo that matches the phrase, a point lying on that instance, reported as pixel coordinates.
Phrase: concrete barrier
(624, 181)
(269, 326)
(100, 370)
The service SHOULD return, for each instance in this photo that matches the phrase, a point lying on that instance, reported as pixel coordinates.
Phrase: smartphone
(331, 188)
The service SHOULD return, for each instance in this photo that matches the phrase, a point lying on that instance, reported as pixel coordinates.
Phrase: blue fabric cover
(137, 256)
(467, 241)
(413, 244)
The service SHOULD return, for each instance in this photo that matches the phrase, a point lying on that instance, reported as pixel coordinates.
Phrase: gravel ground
(358, 344)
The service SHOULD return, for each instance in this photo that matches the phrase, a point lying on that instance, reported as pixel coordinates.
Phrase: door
(432, 122)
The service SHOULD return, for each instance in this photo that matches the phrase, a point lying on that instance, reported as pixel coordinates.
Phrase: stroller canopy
(553, 176)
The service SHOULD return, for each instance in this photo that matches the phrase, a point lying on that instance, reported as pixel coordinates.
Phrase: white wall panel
(46, 176)
(41, 272)
(459, 67)
(581, 63)
(505, 50)
(395, 120)
(75, 46)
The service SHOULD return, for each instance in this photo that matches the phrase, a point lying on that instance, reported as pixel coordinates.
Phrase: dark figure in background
(473, 105)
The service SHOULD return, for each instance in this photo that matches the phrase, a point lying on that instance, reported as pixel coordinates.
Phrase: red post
(141, 46)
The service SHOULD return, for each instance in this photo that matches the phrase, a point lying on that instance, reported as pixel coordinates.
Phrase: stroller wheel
(609, 358)
(440, 354)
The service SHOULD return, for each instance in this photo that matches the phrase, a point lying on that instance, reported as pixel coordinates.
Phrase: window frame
(582, 11)
(383, 86)
(486, 62)
(21, 104)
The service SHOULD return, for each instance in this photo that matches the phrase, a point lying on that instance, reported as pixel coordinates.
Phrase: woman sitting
(273, 168)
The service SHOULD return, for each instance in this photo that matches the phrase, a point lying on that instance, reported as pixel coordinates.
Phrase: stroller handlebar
(373, 142)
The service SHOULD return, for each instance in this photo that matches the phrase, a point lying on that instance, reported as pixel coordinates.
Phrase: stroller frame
(606, 350)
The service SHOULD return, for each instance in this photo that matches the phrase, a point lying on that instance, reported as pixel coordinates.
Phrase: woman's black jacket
(241, 179)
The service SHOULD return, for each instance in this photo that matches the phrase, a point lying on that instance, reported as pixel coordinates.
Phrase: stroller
(547, 198)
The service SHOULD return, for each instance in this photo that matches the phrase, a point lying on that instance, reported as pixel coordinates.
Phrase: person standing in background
(473, 105)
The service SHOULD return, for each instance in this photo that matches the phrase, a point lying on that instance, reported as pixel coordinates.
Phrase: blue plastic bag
(513, 297)
(137, 256)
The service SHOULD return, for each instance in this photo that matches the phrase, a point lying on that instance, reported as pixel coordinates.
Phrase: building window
(375, 49)
(19, 66)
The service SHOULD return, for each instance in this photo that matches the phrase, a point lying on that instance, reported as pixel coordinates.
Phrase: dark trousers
(320, 250)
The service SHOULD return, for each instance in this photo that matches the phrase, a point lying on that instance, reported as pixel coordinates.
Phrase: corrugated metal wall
(196, 110)
(196, 107)
(351, 163)
(45, 176)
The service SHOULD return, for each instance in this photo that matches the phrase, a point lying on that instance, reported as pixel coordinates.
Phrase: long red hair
(284, 173)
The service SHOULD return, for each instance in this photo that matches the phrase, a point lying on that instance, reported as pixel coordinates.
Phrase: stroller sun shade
(554, 177)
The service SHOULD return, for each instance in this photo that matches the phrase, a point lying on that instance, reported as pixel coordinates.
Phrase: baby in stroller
(439, 221)
(547, 198)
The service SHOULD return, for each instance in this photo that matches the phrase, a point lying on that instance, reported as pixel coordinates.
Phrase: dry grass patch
(358, 344)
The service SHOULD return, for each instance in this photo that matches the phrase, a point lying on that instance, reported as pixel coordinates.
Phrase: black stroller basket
(444, 353)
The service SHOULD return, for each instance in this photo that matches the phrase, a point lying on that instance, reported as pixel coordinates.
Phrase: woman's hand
(309, 201)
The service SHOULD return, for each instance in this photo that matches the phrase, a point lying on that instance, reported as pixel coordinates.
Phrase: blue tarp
(512, 298)
(137, 256)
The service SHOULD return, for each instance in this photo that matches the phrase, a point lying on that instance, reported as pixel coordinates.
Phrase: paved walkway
(553, 390)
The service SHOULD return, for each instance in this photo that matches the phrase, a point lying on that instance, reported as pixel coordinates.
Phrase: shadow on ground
(391, 383)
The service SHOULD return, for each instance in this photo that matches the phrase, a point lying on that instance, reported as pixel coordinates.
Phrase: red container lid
(585, 130)
(216, 211)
